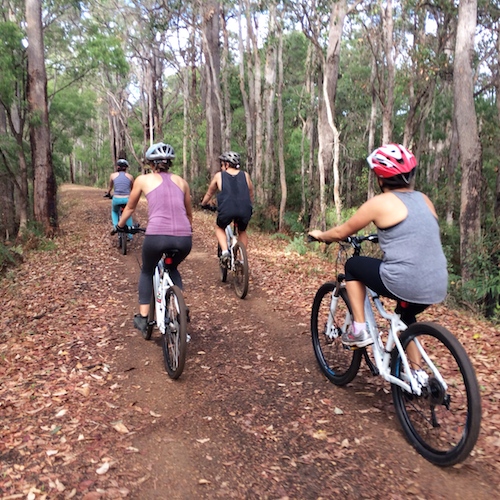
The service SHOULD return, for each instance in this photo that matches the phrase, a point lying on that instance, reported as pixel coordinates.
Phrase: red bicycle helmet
(391, 160)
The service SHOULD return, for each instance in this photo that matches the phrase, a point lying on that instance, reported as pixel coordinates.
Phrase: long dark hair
(398, 181)
(162, 165)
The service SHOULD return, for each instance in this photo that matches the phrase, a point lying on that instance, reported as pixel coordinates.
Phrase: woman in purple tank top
(170, 220)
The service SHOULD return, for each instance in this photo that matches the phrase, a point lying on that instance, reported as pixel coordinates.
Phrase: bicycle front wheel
(241, 274)
(443, 422)
(174, 339)
(123, 244)
(328, 321)
(222, 267)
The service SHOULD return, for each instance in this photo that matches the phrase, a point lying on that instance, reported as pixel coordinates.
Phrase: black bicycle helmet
(231, 157)
(122, 164)
(160, 152)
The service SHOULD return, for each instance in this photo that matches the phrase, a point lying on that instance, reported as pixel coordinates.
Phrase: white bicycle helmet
(160, 152)
(231, 157)
(122, 164)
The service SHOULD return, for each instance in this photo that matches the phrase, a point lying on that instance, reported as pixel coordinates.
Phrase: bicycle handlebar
(128, 230)
(210, 208)
(354, 241)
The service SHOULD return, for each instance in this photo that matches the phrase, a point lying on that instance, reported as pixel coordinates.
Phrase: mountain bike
(238, 259)
(122, 237)
(168, 312)
(436, 399)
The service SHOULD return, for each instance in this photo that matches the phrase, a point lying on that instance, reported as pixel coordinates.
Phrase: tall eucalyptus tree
(44, 186)
(469, 143)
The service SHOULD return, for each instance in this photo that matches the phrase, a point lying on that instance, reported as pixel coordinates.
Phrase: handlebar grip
(311, 239)
(210, 208)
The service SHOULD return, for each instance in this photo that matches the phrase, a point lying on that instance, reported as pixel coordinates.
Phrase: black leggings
(152, 249)
(367, 270)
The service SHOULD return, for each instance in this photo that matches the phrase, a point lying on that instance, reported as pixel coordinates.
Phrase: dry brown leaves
(63, 424)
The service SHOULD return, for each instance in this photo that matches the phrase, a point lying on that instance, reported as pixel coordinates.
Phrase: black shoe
(141, 323)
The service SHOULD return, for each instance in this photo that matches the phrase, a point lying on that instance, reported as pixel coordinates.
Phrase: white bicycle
(168, 311)
(238, 263)
(436, 399)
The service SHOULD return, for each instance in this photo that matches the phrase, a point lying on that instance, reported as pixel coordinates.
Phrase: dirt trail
(251, 416)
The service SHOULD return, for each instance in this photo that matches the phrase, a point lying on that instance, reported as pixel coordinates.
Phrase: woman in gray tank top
(413, 269)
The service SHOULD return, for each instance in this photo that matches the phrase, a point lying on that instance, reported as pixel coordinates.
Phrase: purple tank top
(166, 210)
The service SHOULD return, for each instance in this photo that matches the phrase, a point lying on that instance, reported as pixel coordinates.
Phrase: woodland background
(303, 89)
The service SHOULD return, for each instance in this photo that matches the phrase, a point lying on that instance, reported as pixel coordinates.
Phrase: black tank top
(234, 198)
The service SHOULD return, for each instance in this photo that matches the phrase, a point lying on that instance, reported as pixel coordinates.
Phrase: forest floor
(87, 410)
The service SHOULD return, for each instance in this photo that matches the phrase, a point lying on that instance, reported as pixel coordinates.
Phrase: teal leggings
(115, 210)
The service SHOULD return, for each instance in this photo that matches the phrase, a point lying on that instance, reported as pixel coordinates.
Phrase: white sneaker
(362, 339)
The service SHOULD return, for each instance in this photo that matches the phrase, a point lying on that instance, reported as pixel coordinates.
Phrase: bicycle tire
(339, 364)
(442, 425)
(240, 272)
(123, 244)
(151, 317)
(222, 267)
(174, 340)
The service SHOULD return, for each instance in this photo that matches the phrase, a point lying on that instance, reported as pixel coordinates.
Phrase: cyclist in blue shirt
(121, 182)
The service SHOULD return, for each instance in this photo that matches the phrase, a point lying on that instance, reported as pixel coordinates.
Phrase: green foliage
(10, 256)
(297, 245)
(12, 61)
(483, 288)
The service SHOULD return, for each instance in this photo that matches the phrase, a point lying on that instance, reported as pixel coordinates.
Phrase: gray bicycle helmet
(160, 152)
(122, 164)
(231, 157)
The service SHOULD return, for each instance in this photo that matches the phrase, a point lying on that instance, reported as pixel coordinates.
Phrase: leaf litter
(60, 394)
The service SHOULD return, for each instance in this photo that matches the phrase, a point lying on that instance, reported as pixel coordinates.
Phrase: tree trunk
(281, 133)
(45, 204)
(372, 124)
(468, 137)
(387, 109)
(244, 96)
(211, 12)
(226, 95)
(269, 100)
(328, 136)
(255, 87)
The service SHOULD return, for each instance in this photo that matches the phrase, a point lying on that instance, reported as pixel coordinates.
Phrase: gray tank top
(414, 265)
(121, 185)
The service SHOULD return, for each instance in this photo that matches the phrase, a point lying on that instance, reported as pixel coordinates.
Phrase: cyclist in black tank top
(234, 200)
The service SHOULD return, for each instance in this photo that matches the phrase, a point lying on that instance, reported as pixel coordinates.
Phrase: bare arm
(366, 213)
(110, 187)
(212, 189)
(250, 187)
(187, 203)
(133, 199)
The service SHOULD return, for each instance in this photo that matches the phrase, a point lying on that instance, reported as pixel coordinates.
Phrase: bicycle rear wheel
(174, 340)
(339, 364)
(443, 423)
(222, 267)
(241, 274)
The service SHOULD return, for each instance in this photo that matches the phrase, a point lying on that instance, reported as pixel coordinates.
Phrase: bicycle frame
(232, 239)
(382, 354)
(161, 283)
